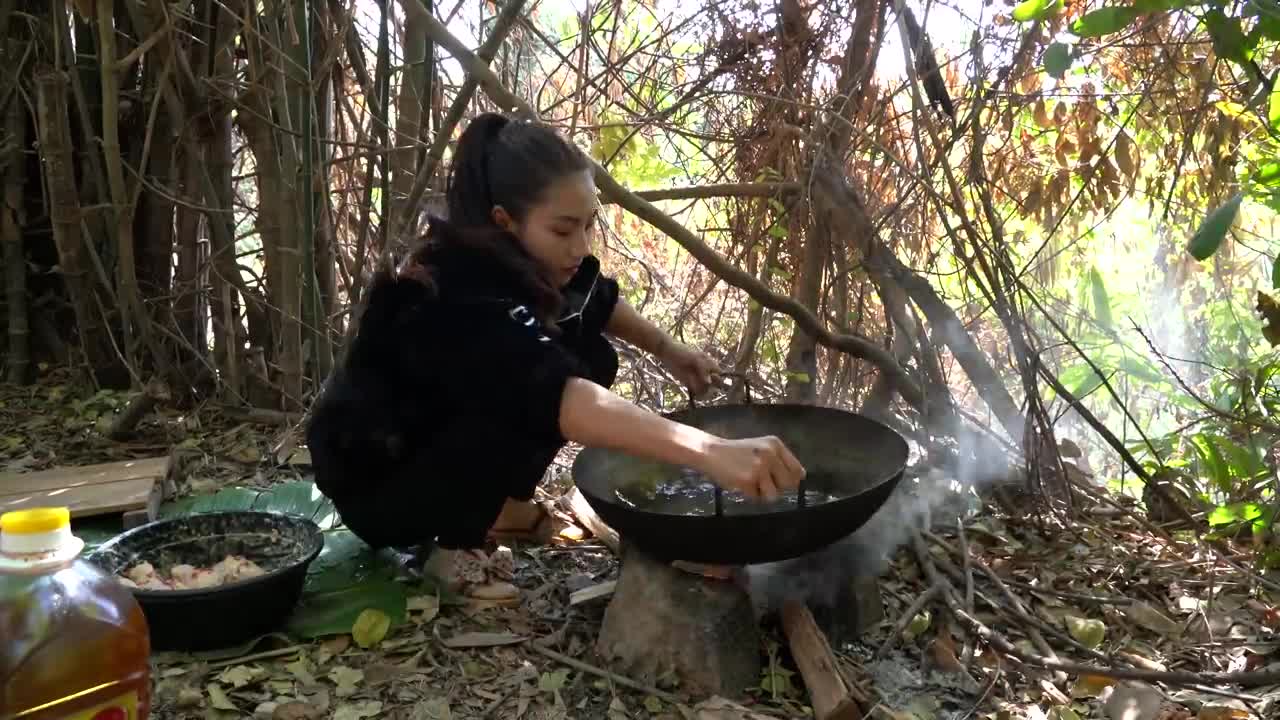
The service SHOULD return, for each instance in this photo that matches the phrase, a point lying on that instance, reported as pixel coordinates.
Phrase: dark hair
(506, 162)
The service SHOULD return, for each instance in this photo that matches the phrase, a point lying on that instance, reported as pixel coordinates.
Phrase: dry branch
(806, 320)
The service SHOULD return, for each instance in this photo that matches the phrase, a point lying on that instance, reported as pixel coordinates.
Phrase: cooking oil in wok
(692, 493)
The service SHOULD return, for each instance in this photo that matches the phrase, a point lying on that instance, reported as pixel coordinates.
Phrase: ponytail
(469, 197)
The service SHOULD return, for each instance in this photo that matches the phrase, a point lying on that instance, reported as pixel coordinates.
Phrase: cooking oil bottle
(73, 641)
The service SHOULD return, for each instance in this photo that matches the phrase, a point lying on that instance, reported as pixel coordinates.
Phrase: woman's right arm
(593, 416)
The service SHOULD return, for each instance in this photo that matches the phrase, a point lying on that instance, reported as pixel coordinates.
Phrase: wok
(852, 459)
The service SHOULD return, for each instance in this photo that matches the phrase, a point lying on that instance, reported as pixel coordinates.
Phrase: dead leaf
(1218, 710)
(218, 699)
(1062, 712)
(1133, 702)
(482, 639)
(1089, 686)
(240, 676)
(295, 711)
(370, 627)
(346, 679)
(1087, 632)
(1148, 617)
(301, 669)
(433, 709)
(943, 653)
(266, 710)
(358, 711)
(1270, 310)
(427, 607)
(618, 709)
(189, 697)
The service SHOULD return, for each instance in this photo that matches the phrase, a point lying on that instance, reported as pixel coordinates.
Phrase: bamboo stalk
(11, 222)
(132, 319)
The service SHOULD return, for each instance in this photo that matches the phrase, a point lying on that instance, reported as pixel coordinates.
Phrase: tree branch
(613, 191)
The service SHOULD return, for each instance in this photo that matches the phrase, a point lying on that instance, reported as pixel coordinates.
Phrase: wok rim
(315, 546)
(895, 473)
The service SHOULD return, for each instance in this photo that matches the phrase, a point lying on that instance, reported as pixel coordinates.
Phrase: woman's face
(557, 230)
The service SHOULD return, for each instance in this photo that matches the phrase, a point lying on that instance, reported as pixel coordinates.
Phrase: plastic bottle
(73, 641)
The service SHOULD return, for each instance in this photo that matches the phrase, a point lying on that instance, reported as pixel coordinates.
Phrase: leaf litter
(1112, 595)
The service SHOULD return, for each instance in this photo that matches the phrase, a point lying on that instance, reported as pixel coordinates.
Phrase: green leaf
(1269, 173)
(1057, 59)
(1275, 273)
(1273, 107)
(1104, 21)
(1101, 301)
(1211, 461)
(1030, 10)
(335, 613)
(1235, 513)
(1209, 235)
(1154, 6)
(1229, 42)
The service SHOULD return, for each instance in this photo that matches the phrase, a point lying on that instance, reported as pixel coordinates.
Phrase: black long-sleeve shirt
(461, 387)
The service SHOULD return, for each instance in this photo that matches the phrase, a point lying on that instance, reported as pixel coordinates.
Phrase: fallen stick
(153, 393)
(594, 592)
(817, 663)
(999, 642)
(907, 616)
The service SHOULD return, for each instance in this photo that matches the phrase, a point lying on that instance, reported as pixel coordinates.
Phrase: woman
(487, 352)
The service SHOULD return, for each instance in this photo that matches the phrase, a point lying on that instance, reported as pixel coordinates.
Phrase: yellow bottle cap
(35, 520)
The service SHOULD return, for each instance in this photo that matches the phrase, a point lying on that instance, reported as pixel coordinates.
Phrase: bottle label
(124, 707)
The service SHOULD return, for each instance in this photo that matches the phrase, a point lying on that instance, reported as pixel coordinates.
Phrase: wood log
(665, 622)
(817, 663)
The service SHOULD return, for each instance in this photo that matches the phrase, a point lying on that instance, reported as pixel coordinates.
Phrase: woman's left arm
(627, 324)
(690, 366)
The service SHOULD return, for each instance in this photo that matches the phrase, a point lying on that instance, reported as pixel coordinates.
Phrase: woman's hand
(691, 367)
(760, 467)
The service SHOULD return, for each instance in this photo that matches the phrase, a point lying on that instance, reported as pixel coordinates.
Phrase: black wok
(852, 459)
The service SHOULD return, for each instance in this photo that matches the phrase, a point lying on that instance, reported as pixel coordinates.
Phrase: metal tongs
(746, 399)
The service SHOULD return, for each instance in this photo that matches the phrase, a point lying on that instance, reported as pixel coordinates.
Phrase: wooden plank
(88, 500)
(88, 490)
(72, 476)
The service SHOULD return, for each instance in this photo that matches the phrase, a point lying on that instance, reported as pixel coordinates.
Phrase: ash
(903, 686)
(922, 499)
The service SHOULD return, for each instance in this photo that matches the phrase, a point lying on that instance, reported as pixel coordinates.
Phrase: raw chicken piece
(206, 579)
(183, 576)
(235, 567)
(230, 569)
(141, 573)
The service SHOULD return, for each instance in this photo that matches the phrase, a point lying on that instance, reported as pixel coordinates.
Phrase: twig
(600, 672)
(1265, 677)
(907, 616)
(155, 391)
(493, 706)
(254, 657)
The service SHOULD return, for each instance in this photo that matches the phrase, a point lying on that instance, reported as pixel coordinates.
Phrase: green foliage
(1213, 230)
(1035, 10)
(1057, 59)
(1104, 21)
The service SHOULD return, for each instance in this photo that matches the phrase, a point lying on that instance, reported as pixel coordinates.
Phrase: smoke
(928, 496)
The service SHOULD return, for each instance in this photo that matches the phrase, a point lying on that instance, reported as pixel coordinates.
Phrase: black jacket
(458, 386)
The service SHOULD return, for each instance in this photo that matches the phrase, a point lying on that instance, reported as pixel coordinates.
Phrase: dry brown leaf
(295, 711)
(1060, 113)
(1091, 686)
(1041, 116)
(1222, 712)
(1142, 614)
